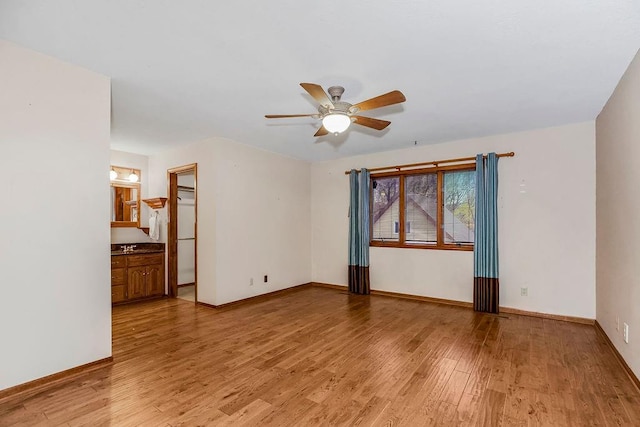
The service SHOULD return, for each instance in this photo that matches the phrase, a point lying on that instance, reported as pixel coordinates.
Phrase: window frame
(402, 174)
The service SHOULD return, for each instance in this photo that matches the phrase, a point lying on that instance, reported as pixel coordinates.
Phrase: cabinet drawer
(118, 293)
(136, 260)
(118, 276)
(118, 262)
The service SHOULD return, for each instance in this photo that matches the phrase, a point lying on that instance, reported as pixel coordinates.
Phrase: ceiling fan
(337, 115)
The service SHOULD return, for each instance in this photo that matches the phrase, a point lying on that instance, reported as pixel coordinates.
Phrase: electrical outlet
(524, 292)
(625, 332)
(265, 279)
(617, 323)
(251, 282)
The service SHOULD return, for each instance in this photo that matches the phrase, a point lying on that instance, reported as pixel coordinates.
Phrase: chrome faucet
(129, 248)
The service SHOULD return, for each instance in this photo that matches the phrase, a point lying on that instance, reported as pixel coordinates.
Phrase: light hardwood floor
(318, 356)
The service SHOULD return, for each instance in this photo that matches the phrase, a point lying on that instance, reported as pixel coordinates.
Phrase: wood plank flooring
(318, 356)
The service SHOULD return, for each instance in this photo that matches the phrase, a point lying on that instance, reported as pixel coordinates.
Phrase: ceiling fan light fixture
(336, 122)
(337, 115)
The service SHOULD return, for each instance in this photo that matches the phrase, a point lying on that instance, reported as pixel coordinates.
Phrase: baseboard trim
(423, 299)
(186, 284)
(255, 298)
(623, 363)
(509, 310)
(330, 286)
(138, 300)
(204, 304)
(455, 303)
(571, 319)
(400, 295)
(37, 385)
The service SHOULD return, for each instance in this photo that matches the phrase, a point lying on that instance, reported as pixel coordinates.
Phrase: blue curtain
(359, 232)
(486, 289)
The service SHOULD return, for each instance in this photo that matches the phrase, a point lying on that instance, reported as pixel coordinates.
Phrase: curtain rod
(434, 163)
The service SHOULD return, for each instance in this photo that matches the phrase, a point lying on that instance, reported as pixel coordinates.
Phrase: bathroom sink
(138, 249)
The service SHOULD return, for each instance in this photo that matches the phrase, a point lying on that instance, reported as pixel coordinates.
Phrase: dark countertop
(140, 248)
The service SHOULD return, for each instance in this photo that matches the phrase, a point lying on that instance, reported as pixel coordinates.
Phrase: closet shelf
(156, 202)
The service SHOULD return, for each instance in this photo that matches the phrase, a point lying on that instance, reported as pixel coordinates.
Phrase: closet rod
(434, 163)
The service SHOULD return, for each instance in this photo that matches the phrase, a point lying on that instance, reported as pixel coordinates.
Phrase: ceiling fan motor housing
(335, 92)
(338, 107)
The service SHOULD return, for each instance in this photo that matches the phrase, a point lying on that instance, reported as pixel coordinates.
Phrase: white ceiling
(188, 70)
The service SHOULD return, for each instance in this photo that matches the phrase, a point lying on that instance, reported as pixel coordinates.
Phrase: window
(436, 207)
(385, 209)
(421, 208)
(459, 206)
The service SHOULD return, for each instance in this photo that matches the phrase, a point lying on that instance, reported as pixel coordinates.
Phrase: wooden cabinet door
(136, 282)
(118, 293)
(155, 280)
(118, 276)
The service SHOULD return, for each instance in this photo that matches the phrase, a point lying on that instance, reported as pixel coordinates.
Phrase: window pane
(421, 209)
(385, 211)
(459, 207)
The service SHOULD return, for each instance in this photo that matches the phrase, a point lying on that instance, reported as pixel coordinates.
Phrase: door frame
(172, 226)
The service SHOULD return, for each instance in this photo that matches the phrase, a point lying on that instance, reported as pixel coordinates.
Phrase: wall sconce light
(133, 177)
(120, 174)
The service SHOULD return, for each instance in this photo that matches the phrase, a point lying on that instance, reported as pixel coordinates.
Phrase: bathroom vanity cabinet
(137, 275)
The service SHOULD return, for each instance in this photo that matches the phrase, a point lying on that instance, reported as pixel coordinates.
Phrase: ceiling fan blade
(371, 123)
(318, 93)
(321, 132)
(394, 97)
(285, 116)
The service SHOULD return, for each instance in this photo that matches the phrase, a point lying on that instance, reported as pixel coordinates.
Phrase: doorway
(183, 235)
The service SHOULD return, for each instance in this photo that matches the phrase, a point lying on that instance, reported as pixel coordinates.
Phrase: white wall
(202, 154)
(135, 161)
(618, 204)
(253, 217)
(55, 309)
(546, 235)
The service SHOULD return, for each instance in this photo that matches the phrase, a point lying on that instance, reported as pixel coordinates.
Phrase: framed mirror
(125, 197)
